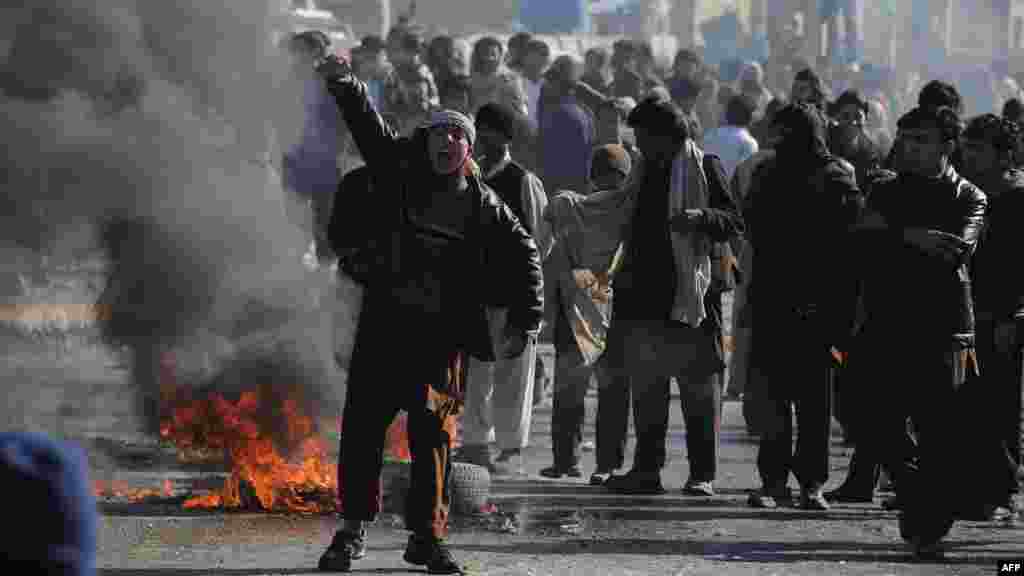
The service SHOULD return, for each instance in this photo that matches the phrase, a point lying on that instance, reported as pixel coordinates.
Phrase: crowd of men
(618, 214)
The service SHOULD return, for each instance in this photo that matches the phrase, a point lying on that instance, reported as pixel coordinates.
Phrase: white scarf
(689, 189)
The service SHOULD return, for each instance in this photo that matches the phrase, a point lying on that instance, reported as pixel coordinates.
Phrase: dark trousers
(613, 402)
(931, 491)
(866, 463)
(701, 402)
(921, 383)
(1000, 403)
(868, 402)
(369, 410)
(700, 395)
(572, 380)
(795, 372)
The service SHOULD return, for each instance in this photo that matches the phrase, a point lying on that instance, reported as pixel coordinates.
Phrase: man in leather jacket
(990, 160)
(440, 247)
(847, 137)
(914, 240)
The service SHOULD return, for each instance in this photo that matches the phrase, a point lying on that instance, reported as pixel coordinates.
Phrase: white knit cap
(452, 118)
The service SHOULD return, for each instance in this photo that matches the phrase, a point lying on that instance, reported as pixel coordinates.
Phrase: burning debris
(123, 491)
(292, 473)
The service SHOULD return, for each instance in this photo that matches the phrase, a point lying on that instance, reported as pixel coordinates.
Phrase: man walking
(802, 178)
(920, 229)
(989, 152)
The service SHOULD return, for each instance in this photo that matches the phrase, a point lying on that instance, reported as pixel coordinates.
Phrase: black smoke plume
(154, 122)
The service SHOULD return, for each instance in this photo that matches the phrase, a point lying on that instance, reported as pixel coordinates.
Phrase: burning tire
(470, 488)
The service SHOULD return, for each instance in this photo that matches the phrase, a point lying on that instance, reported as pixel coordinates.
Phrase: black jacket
(864, 154)
(797, 212)
(928, 300)
(503, 269)
(998, 285)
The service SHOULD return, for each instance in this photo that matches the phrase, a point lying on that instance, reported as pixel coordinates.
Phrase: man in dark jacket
(914, 241)
(665, 324)
(808, 89)
(434, 230)
(626, 81)
(566, 129)
(989, 160)
(812, 312)
(499, 399)
(934, 94)
(849, 140)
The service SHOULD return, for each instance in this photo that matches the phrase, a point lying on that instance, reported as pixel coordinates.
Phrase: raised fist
(333, 67)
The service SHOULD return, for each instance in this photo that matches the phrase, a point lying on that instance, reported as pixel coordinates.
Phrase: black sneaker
(636, 483)
(345, 547)
(813, 500)
(431, 553)
(927, 552)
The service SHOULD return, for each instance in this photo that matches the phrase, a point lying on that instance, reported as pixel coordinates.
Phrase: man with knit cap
(578, 304)
(499, 397)
(441, 248)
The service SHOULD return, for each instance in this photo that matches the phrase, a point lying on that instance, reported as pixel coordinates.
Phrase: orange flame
(306, 482)
(120, 490)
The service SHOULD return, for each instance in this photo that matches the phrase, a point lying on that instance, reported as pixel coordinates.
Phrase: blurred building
(907, 34)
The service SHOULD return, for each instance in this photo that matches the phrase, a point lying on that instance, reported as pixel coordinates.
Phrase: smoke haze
(154, 121)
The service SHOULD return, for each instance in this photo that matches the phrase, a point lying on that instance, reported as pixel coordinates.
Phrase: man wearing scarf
(917, 343)
(499, 403)
(440, 248)
(813, 313)
(677, 204)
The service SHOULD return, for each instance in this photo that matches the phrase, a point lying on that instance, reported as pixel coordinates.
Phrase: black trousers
(701, 403)
(929, 491)
(922, 382)
(795, 372)
(613, 404)
(868, 401)
(572, 380)
(369, 410)
(700, 395)
(1000, 402)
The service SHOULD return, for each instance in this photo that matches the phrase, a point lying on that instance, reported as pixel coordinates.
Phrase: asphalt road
(541, 527)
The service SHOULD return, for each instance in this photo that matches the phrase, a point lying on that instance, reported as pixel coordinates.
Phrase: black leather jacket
(504, 269)
(918, 297)
(999, 287)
